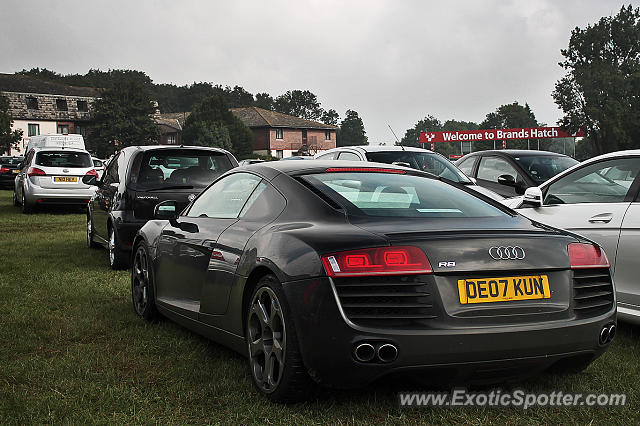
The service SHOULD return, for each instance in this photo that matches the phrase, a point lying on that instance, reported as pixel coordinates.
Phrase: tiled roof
(27, 84)
(258, 117)
(173, 119)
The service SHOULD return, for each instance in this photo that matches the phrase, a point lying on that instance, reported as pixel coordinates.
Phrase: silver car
(598, 199)
(53, 176)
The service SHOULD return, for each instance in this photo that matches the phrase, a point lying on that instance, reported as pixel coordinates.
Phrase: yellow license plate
(15, 171)
(65, 179)
(506, 289)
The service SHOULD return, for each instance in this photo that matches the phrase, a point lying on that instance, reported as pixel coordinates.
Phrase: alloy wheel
(89, 232)
(266, 336)
(112, 246)
(140, 283)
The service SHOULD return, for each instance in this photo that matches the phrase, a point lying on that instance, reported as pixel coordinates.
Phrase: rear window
(168, 168)
(63, 159)
(424, 161)
(396, 195)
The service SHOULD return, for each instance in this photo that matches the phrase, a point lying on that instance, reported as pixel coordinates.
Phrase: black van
(136, 179)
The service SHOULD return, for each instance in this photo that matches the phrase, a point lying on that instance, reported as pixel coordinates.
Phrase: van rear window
(63, 159)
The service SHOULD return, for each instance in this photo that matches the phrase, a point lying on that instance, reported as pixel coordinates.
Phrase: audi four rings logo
(507, 253)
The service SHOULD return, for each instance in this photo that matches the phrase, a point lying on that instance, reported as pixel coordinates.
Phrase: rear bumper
(127, 226)
(33, 193)
(327, 341)
(7, 181)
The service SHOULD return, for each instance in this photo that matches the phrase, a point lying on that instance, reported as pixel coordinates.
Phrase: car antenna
(394, 134)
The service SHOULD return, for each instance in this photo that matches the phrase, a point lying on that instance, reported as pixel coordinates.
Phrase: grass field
(73, 351)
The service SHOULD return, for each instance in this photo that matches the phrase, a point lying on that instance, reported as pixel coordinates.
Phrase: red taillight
(365, 169)
(587, 256)
(34, 171)
(4, 170)
(92, 173)
(377, 261)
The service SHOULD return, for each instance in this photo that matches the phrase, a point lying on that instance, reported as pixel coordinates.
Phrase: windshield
(544, 167)
(178, 169)
(399, 195)
(63, 159)
(427, 162)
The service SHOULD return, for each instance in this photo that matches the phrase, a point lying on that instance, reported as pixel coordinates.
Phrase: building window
(171, 139)
(327, 135)
(33, 130)
(82, 106)
(63, 129)
(32, 103)
(81, 130)
(279, 154)
(278, 133)
(61, 104)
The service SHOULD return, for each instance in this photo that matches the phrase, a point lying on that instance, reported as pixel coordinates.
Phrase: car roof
(380, 148)
(164, 147)
(59, 148)
(518, 152)
(318, 166)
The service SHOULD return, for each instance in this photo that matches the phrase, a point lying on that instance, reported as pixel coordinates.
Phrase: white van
(56, 141)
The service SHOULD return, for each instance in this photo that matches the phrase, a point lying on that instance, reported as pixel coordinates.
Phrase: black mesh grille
(403, 301)
(592, 292)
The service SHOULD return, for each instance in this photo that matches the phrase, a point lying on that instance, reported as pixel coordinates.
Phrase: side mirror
(506, 180)
(166, 210)
(90, 180)
(532, 197)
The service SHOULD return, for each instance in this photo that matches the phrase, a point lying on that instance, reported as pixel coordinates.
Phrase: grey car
(598, 199)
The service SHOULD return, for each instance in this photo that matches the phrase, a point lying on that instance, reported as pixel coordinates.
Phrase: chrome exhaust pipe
(387, 352)
(364, 352)
(612, 332)
(604, 335)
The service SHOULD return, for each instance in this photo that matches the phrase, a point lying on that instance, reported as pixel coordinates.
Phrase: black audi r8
(336, 274)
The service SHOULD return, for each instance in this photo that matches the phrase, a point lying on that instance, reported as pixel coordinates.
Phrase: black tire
(90, 233)
(142, 290)
(16, 203)
(26, 207)
(270, 336)
(118, 258)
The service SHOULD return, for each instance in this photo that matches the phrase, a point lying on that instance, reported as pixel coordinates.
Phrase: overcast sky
(393, 62)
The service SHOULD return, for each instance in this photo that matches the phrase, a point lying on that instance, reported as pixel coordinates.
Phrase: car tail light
(587, 256)
(92, 172)
(365, 169)
(395, 260)
(4, 170)
(34, 171)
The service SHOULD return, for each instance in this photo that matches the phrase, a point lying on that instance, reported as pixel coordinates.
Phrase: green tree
(601, 91)
(300, 103)
(123, 116)
(330, 117)
(8, 138)
(212, 124)
(412, 136)
(351, 130)
(264, 100)
(509, 116)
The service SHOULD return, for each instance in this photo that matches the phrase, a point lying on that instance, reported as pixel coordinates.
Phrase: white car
(98, 166)
(53, 176)
(598, 199)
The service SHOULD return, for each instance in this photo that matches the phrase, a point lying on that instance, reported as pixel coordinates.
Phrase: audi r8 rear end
(338, 274)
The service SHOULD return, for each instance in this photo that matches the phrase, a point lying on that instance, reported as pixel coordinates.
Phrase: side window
(348, 156)
(329, 156)
(492, 167)
(265, 203)
(602, 182)
(226, 198)
(27, 160)
(466, 165)
(111, 174)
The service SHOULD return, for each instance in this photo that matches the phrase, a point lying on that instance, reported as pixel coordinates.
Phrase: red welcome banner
(496, 135)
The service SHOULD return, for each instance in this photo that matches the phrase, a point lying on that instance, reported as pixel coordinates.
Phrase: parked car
(340, 273)
(53, 175)
(250, 161)
(416, 158)
(598, 199)
(509, 172)
(98, 165)
(9, 169)
(136, 179)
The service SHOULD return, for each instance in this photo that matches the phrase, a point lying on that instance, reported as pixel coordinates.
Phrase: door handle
(601, 218)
